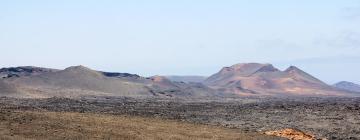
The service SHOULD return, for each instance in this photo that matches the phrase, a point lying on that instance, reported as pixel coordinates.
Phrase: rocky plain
(325, 118)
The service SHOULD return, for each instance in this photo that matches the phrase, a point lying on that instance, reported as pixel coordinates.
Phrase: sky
(183, 37)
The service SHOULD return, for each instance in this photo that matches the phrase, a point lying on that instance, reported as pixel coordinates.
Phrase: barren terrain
(15, 125)
(331, 118)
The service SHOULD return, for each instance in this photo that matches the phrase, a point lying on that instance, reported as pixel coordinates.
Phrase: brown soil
(331, 118)
(16, 125)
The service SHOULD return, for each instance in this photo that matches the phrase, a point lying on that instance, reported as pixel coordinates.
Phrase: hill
(265, 79)
(23, 71)
(349, 86)
(80, 81)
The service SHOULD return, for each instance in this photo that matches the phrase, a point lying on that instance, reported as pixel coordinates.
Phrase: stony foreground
(16, 125)
(331, 118)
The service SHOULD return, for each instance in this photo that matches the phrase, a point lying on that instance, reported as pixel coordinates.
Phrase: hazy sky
(183, 37)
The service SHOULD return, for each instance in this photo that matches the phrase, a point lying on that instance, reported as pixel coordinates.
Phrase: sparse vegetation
(15, 125)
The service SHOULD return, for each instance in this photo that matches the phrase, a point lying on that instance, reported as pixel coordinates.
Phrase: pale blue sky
(183, 37)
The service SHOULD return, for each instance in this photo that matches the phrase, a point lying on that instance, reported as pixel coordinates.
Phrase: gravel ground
(331, 118)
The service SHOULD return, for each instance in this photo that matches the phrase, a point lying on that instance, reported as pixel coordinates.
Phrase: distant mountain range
(23, 71)
(187, 79)
(265, 79)
(348, 86)
(80, 81)
(238, 80)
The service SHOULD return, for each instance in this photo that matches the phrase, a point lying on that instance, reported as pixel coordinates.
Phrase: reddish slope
(264, 79)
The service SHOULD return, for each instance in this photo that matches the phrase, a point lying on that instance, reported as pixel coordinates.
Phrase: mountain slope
(264, 79)
(240, 79)
(23, 71)
(172, 88)
(74, 81)
(349, 86)
(81, 81)
(7, 89)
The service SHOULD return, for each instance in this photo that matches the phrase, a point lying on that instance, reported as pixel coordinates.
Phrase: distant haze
(183, 37)
(187, 79)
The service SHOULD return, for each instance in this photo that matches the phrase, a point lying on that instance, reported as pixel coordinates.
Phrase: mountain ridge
(78, 81)
(268, 80)
(23, 71)
(249, 79)
(348, 86)
(186, 79)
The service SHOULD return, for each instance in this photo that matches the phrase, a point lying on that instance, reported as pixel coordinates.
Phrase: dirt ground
(331, 118)
(17, 125)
